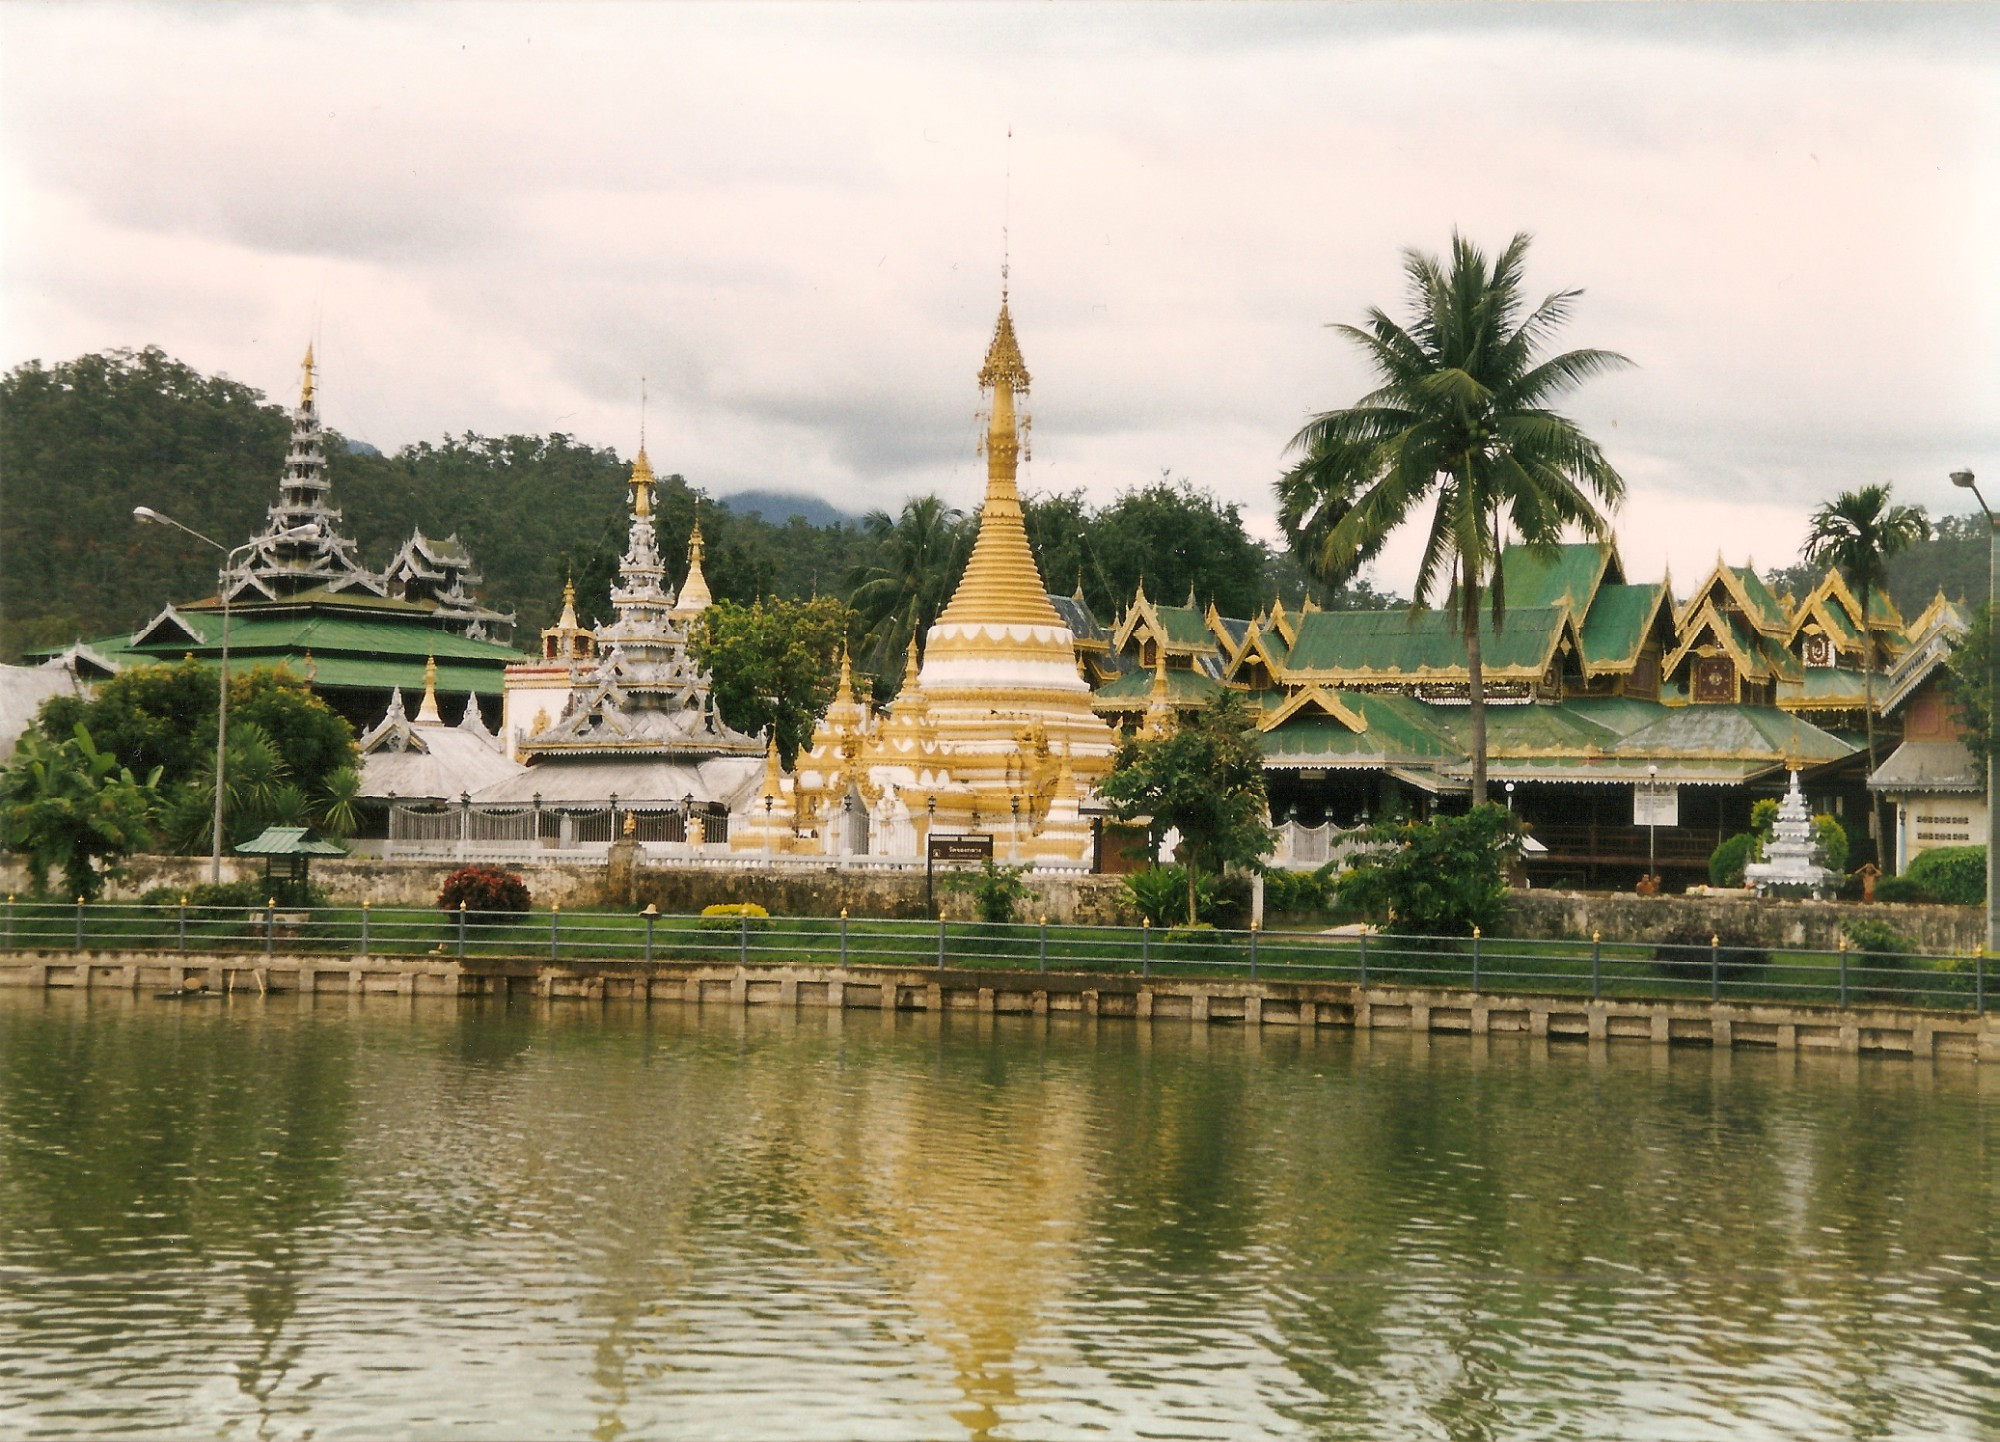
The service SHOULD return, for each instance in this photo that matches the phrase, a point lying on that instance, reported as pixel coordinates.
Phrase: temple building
(302, 599)
(424, 760)
(994, 736)
(620, 716)
(1598, 687)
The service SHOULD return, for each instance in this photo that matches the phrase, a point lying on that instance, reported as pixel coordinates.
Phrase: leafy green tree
(69, 806)
(899, 591)
(1440, 877)
(1205, 779)
(1460, 418)
(1179, 539)
(1968, 681)
(1857, 532)
(775, 663)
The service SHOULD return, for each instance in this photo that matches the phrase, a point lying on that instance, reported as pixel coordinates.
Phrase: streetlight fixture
(1964, 481)
(146, 515)
(1652, 821)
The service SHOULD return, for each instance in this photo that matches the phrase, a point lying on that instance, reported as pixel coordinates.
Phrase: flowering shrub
(728, 915)
(483, 888)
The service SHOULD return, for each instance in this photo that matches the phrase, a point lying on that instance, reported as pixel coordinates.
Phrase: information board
(1656, 803)
(961, 848)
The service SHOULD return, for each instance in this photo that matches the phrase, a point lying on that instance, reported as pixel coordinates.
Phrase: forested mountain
(1953, 560)
(84, 441)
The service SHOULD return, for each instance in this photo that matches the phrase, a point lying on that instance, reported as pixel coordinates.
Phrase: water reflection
(290, 1216)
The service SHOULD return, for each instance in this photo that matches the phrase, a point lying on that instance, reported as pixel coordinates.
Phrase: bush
(1880, 972)
(1438, 878)
(1831, 838)
(1900, 888)
(996, 889)
(1159, 894)
(1955, 875)
(483, 888)
(1726, 862)
(1300, 891)
(209, 893)
(1683, 953)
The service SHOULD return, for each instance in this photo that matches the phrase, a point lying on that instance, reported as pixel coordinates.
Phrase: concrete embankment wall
(1921, 1035)
(1811, 925)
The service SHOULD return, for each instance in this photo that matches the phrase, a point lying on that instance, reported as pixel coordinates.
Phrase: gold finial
(642, 483)
(429, 710)
(631, 822)
(306, 390)
(694, 595)
(846, 693)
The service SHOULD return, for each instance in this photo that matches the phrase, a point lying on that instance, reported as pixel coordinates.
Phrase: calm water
(320, 1219)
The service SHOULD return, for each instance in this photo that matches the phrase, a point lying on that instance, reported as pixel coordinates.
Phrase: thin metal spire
(1006, 215)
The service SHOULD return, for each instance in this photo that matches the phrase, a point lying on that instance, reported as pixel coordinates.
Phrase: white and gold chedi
(993, 733)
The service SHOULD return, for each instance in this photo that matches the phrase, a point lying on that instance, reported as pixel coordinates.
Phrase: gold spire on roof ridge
(642, 483)
(695, 594)
(429, 710)
(306, 389)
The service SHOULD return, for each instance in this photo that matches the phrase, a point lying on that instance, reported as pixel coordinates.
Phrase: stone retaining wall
(783, 891)
(1814, 925)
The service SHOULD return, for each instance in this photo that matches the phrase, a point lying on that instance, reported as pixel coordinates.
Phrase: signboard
(961, 848)
(1656, 803)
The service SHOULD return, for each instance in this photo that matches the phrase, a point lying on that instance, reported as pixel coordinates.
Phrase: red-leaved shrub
(483, 888)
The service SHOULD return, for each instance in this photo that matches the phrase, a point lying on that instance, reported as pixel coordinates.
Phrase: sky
(790, 221)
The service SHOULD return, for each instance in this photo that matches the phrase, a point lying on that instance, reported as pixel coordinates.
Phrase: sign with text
(1656, 803)
(961, 848)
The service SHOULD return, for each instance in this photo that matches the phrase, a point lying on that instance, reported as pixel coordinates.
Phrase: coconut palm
(1856, 533)
(918, 558)
(1460, 417)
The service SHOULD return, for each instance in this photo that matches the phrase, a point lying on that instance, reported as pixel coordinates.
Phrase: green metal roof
(1828, 686)
(1136, 686)
(1765, 612)
(1184, 625)
(1538, 576)
(1615, 627)
(1382, 644)
(289, 841)
(1531, 729)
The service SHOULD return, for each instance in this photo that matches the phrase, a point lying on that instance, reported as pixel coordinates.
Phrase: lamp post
(1964, 480)
(1652, 820)
(1510, 796)
(148, 516)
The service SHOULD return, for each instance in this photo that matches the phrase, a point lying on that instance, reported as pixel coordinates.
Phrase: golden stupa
(993, 732)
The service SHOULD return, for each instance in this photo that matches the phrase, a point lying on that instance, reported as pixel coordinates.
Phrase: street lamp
(1963, 480)
(1652, 820)
(1510, 796)
(146, 515)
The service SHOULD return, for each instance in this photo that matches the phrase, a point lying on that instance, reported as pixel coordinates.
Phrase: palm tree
(1856, 533)
(1460, 415)
(918, 559)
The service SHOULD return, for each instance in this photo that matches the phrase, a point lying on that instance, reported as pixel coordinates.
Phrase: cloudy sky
(498, 218)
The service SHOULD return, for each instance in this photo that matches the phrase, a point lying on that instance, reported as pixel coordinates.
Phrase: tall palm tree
(918, 558)
(1856, 533)
(1460, 415)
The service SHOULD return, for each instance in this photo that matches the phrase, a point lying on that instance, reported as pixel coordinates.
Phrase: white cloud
(787, 219)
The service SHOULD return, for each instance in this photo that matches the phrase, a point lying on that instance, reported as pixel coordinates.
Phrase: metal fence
(1611, 969)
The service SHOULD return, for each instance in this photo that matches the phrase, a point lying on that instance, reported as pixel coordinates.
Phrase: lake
(334, 1217)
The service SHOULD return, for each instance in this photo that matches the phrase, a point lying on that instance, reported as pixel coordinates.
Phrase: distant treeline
(84, 441)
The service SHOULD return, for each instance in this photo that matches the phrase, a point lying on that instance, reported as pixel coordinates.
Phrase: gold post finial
(429, 710)
(306, 389)
(642, 483)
